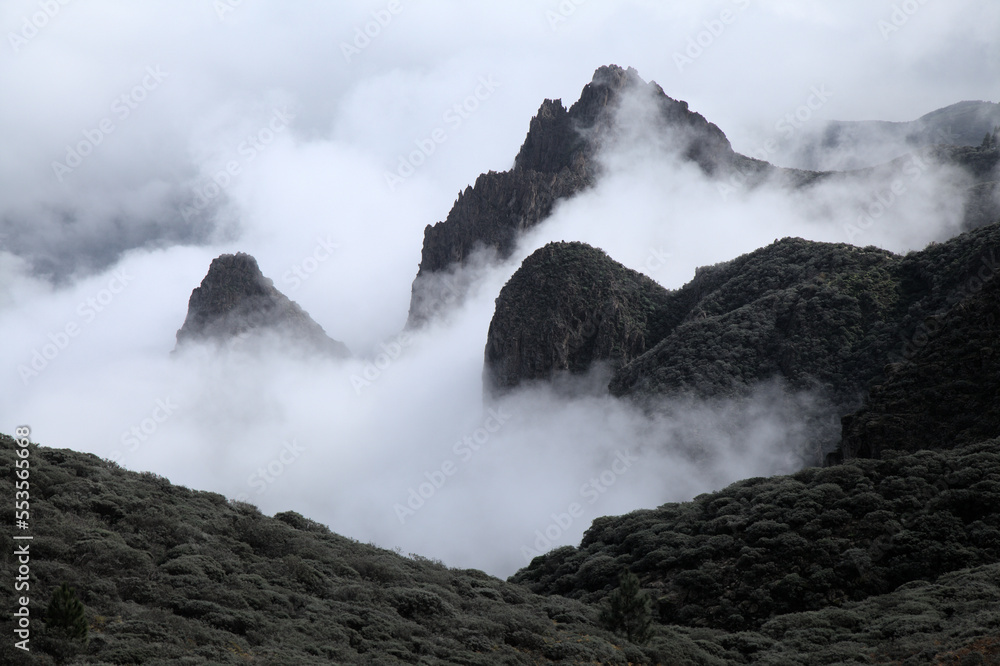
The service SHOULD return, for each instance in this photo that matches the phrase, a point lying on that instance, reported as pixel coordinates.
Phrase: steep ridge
(557, 160)
(236, 302)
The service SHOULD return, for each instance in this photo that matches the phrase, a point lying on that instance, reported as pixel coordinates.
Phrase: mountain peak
(236, 300)
(557, 160)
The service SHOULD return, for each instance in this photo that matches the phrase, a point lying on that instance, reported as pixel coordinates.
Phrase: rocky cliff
(557, 160)
(236, 302)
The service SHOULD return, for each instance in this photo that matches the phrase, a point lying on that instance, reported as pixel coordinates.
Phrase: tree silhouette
(629, 610)
(992, 139)
(66, 612)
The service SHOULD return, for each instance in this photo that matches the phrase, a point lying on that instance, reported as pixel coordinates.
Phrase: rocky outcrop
(236, 301)
(567, 308)
(556, 161)
(828, 317)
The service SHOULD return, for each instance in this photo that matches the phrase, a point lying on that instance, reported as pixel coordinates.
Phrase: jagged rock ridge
(235, 300)
(556, 161)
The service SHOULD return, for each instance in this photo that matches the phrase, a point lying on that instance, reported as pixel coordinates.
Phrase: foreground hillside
(174, 576)
(761, 548)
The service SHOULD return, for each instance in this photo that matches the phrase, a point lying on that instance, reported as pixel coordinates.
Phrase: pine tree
(629, 610)
(66, 612)
(992, 139)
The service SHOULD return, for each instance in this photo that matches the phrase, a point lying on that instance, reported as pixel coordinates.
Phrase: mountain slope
(174, 576)
(819, 315)
(568, 307)
(559, 159)
(948, 389)
(236, 302)
(761, 548)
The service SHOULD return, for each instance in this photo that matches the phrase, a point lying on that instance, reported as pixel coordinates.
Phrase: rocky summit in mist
(236, 304)
(885, 550)
(559, 158)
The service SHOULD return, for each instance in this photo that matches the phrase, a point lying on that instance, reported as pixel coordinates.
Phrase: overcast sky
(140, 140)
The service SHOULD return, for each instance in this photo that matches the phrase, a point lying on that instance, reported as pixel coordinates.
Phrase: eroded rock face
(235, 300)
(567, 308)
(556, 161)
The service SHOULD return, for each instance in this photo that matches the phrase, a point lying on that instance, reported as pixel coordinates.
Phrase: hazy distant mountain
(236, 303)
(840, 145)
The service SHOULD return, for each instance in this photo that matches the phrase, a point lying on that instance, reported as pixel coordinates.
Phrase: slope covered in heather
(823, 317)
(870, 562)
(174, 576)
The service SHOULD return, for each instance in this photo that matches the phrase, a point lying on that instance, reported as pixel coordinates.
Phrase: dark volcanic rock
(568, 307)
(556, 161)
(235, 299)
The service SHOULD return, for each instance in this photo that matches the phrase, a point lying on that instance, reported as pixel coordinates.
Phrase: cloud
(96, 269)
